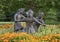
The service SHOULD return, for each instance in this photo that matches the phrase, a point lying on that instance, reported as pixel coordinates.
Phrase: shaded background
(51, 9)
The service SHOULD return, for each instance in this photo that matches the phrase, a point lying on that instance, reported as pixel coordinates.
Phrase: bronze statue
(29, 22)
(39, 18)
(32, 23)
(18, 17)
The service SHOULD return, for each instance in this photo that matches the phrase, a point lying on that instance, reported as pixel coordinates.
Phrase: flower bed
(23, 37)
(6, 26)
(11, 25)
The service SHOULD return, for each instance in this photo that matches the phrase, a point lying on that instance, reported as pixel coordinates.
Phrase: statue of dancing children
(29, 22)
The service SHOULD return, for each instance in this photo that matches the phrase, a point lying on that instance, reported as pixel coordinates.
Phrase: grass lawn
(41, 31)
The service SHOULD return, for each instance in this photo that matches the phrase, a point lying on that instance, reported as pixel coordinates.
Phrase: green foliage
(51, 8)
(58, 37)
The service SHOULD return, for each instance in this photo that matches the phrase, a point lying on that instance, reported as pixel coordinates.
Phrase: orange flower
(27, 40)
(56, 34)
(12, 35)
(52, 40)
(5, 40)
(56, 40)
(21, 40)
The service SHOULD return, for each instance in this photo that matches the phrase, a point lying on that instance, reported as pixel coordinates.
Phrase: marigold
(21, 40)
(53, 40)
(6, 40)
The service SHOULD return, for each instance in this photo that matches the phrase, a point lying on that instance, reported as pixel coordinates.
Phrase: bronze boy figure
(29, 22)
(39, 18)
(17, 18)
